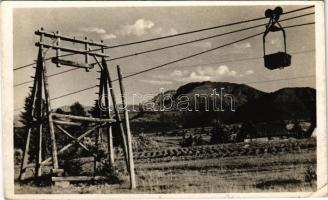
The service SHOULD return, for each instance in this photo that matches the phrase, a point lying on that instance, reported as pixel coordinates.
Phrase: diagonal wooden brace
(72, 143)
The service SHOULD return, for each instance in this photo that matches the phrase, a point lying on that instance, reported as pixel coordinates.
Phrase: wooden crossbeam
(66, 123)
(69, 38)
(71, 50)
(74, 138)
(71, 63)
(65, 132)
(80, 178)
(79, 118)
(78, 139)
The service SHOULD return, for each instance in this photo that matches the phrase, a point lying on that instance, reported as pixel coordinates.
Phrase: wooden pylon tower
(37, 114)
(42, 114)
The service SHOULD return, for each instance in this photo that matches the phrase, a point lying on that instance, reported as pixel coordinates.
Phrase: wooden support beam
(71, 50)
(60, 61)
(118, 117)
(50, 122)
(80, 178)
(66, 123)
(74, 138)
(25, 155)
(39, 107)
(128, 132)
(79, 118)
(68, 38)
(58, 54)
(65, 132)
(110, 146)
(29, 131)
(78, 139)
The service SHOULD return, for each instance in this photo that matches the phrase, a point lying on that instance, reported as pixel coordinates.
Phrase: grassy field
(257, 171)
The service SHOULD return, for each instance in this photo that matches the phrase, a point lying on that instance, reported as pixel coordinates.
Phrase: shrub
(310, 175)
(18, 156)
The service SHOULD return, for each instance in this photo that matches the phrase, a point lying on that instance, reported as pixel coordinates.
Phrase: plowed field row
(224, 150)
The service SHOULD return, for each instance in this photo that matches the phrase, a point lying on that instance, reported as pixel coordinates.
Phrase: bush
(310, 175)
(18, 156)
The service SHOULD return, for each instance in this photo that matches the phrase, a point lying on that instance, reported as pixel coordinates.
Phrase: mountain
(286, 103)
(241, 92)
(249, 103)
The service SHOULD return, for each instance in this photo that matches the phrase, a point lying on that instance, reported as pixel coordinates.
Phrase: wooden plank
(25, 155)
(109, 132)
(68, 38)
(118, 117)
(58, 54)
(65, 132)
(39, 107)
(71, 50)
(128, 132)
(80, 118)
(71, 63)
(104, 90)
(74, 142)
(66, 123)
(79, 178)
(50, 122)
(24, 164)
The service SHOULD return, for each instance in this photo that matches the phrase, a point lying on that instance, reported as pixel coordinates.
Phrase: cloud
(221, 70)
(164, 32)
(108, 36)
(243, 45)
(156, 82)
(204, 73)
(139, 28)
(195, 77)
(102, 32)
(93, 30)
(145, 26)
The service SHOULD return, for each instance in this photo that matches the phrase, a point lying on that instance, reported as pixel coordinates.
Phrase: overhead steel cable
(173, 35)
(205, 29)
(179, 44)
(184, 58)
(220, 62)
(201, 39)
(209, 50)
(55, 74)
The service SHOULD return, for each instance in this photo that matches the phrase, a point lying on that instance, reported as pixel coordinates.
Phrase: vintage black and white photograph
(167, 98)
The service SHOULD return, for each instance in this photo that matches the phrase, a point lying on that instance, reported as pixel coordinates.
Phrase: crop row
(223, 150)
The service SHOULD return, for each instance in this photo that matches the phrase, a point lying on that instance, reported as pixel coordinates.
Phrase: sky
(128, 24)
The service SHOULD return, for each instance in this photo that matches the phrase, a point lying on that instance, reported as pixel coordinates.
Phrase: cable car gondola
(279, 59)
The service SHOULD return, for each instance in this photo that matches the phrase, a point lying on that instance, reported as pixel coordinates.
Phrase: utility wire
(201, 39)
(169, 36)
(175, 45)
(55, 74)
(239, 60)
(184, 58)
(206, 51)
(220, 62)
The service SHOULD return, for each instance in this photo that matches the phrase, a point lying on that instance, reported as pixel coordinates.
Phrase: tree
(95, 110)
(26, 117)
(77, 109)
(29, 121)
